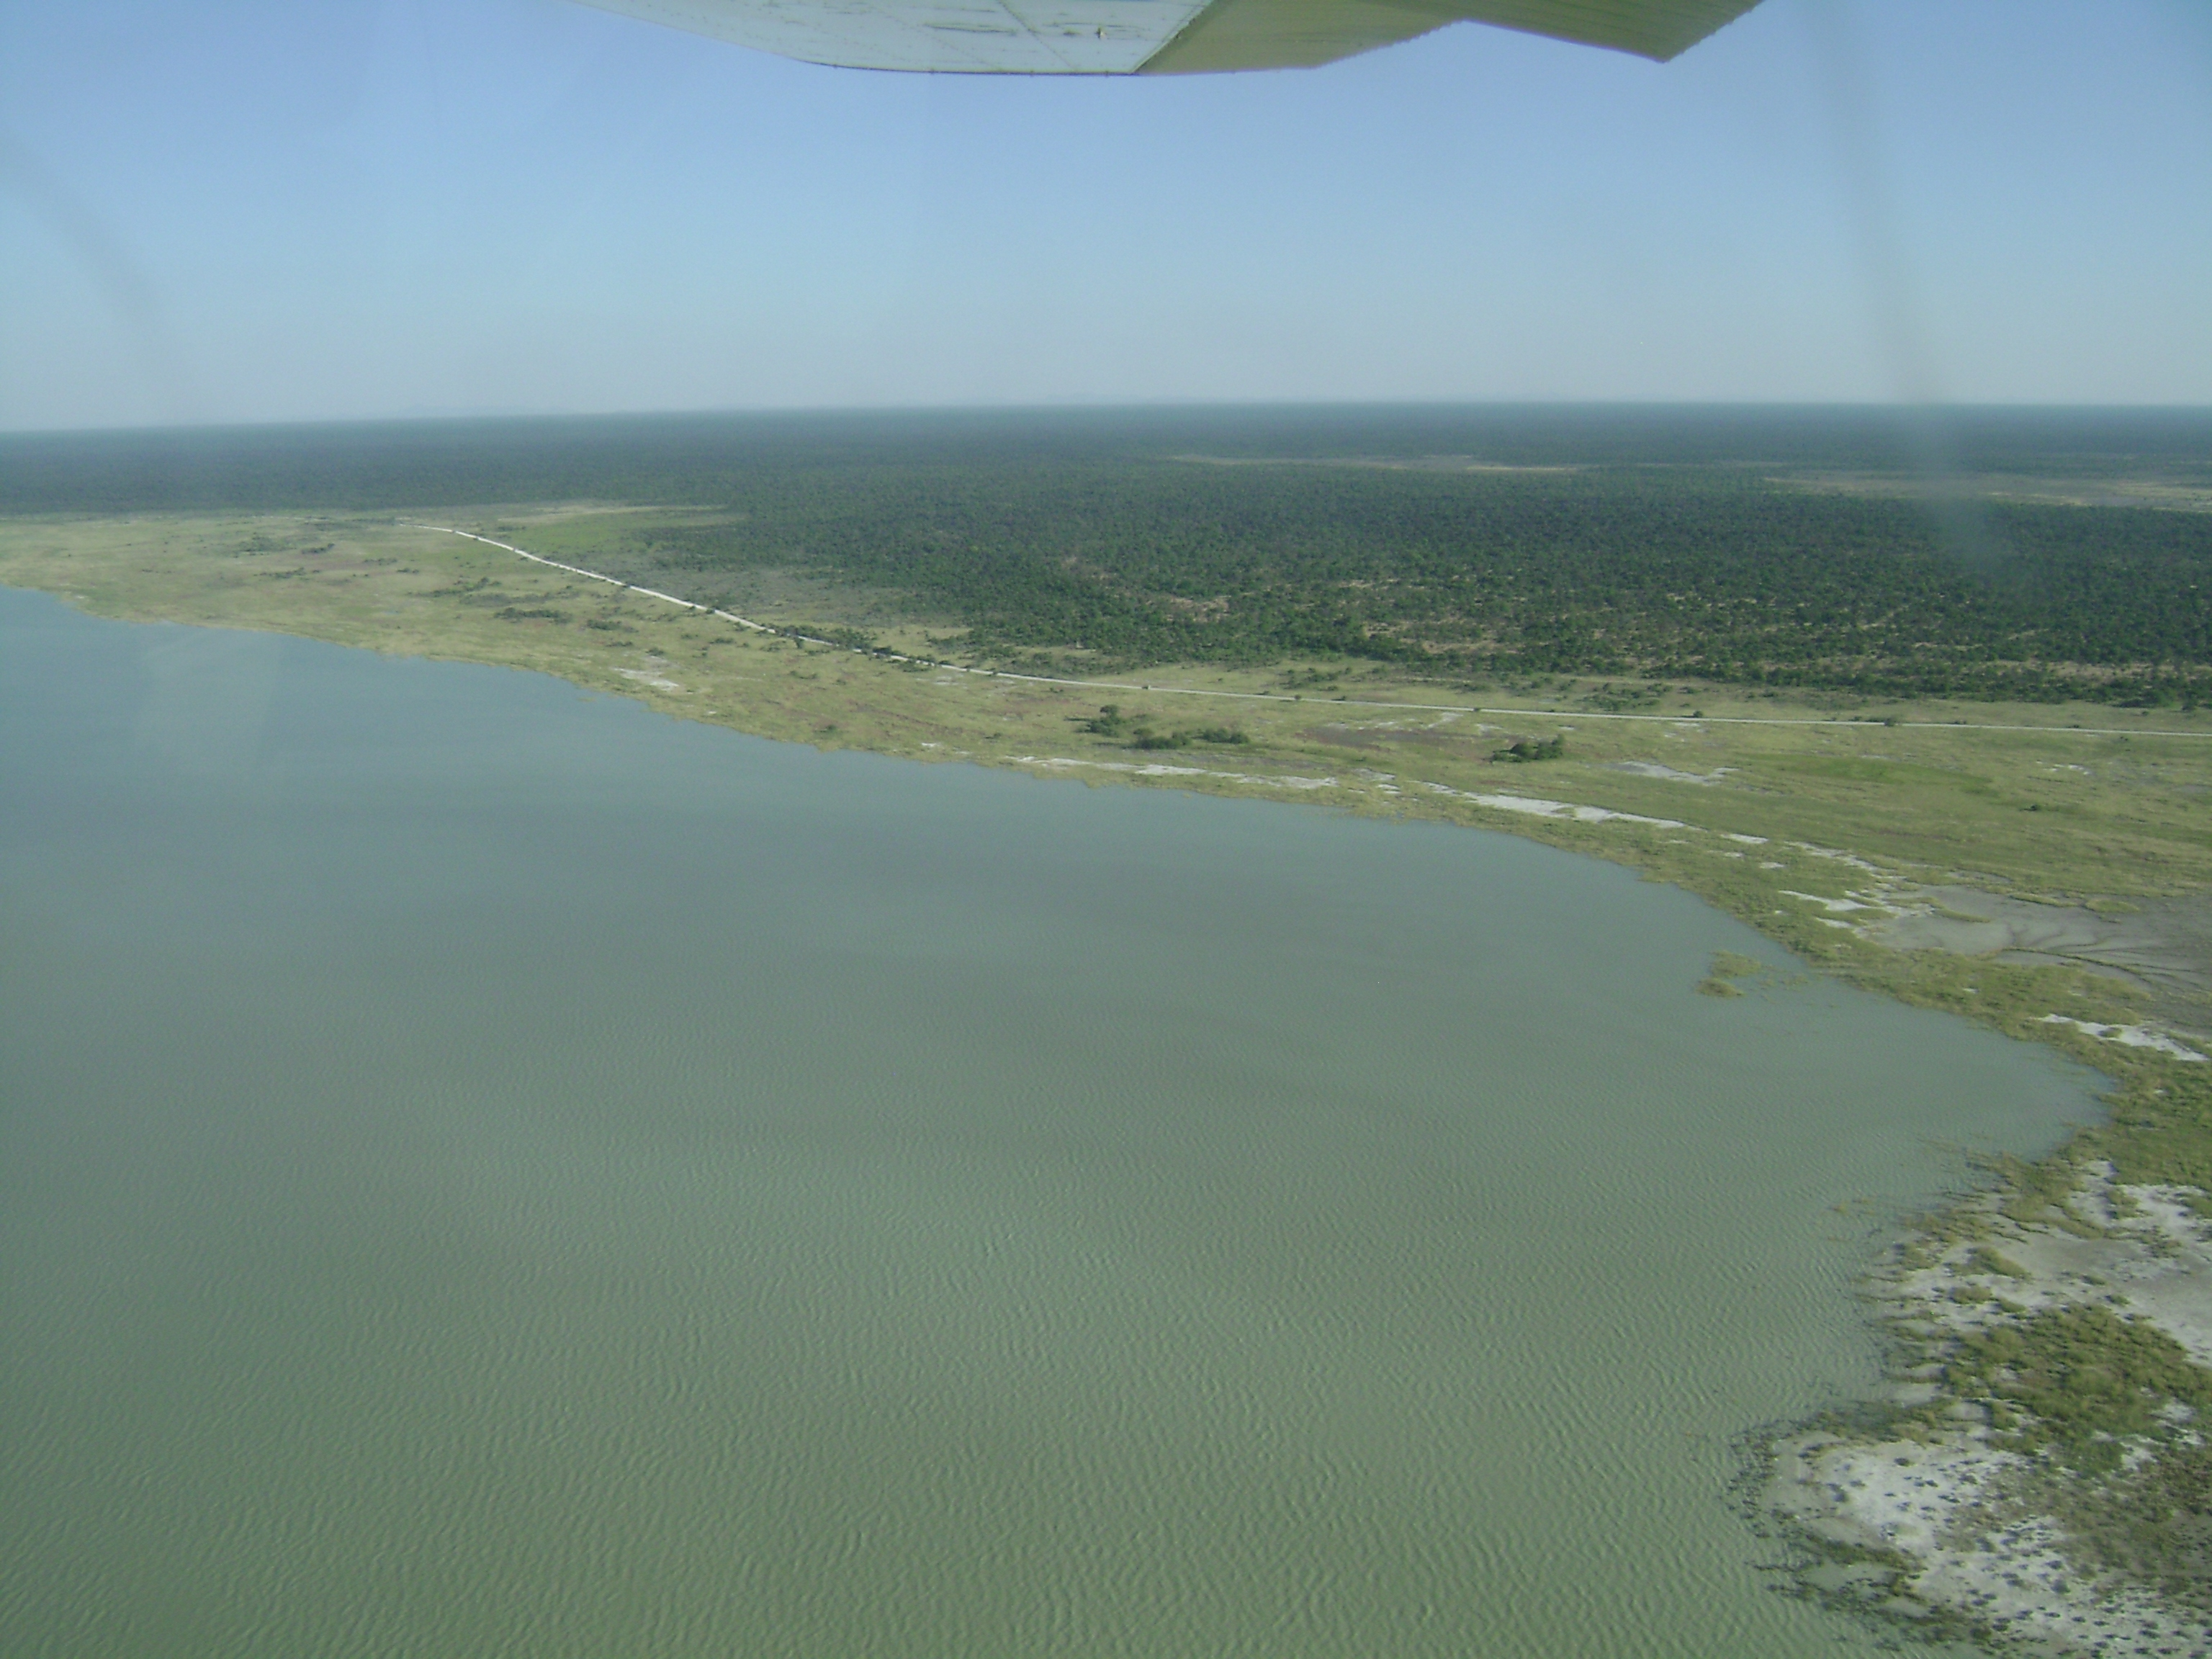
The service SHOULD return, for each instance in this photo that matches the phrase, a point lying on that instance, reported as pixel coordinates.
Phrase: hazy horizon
(243, 213)
(1125, 405)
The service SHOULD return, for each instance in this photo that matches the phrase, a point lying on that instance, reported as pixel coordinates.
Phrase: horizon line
(1102, 406)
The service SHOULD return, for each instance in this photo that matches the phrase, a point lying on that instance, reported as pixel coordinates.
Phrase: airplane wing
(1154, 37)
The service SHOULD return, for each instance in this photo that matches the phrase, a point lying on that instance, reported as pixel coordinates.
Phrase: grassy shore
(2042, 869)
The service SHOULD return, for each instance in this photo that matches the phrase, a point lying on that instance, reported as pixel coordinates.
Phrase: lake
(486, 1169)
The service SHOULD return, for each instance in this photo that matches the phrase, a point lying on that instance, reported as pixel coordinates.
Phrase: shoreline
(1932, 1513)
(1885, 855)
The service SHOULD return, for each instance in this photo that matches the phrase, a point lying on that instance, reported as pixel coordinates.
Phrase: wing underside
(1154, 37)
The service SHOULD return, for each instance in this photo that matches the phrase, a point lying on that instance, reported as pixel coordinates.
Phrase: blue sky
(262, 210)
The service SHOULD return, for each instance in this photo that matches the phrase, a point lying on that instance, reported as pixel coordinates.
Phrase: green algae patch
(1729, 967)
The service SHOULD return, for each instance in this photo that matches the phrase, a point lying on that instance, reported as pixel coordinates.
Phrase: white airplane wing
(1154, 37)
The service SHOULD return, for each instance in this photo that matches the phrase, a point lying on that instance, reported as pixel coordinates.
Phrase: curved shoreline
(1934, 1528)
(1931, 1509)
(1851, 915)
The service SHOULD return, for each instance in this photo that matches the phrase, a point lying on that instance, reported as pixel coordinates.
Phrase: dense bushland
(1635, 544)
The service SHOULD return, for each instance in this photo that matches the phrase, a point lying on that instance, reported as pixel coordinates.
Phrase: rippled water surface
(485, 1171)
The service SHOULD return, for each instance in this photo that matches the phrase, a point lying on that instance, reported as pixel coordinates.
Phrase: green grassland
(2080, 802)
(1801, 809)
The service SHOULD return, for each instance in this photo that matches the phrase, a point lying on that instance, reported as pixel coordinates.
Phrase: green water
(485, 1171)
